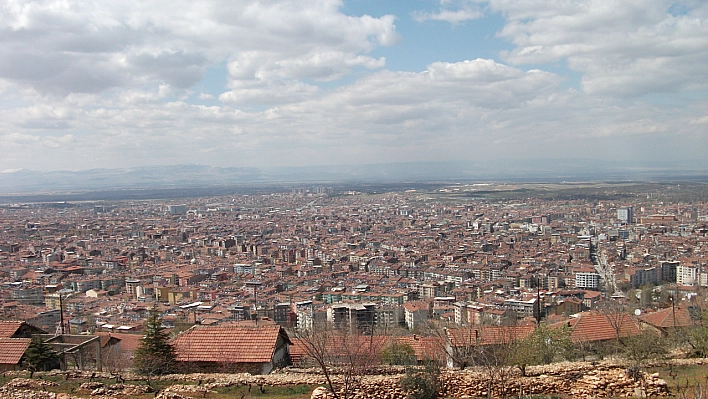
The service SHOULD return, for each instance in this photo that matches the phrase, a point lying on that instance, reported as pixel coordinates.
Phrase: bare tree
(116, 360)
(344, 355)
(616, 315)
(497, 355)
(491, 348)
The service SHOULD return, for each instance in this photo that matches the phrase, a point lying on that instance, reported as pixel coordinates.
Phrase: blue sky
(424, 42)
(121, 83)
(420, 43)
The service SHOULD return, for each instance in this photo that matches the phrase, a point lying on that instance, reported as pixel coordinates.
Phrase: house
(425, 348)
(11, 351)
(568, 306)
(486, 335)
(233, 347)
(590, 299)
(18, 329)
(340, 346)
(416, 313)
(595, 326)
(15, 338)
(118, 349)
(668, 319)
(464, 343)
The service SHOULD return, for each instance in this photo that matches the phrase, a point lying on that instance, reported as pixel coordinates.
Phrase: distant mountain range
(190, 176)
(30, 181)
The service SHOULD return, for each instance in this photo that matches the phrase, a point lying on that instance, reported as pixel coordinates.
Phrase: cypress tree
(39, 356)
(155, 355)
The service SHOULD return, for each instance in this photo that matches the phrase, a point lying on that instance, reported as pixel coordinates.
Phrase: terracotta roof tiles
(9, 328)
(424, 347)
(594, 326)
(668, 318)
(12, 349)
(487, 335)
(340, 346)
(228, 343)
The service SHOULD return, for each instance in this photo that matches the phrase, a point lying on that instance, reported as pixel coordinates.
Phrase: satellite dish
(637, 312)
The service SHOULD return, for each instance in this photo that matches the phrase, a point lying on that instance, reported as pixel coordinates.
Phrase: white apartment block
(687, 275)
(585, 280)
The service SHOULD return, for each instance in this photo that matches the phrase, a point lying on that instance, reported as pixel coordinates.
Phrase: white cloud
(621, 48)
(451, 16)
(268, 92)
(74, 46)
(108, 84)
(699, 121)
(472, 109)
(452, 11)
(625, 48)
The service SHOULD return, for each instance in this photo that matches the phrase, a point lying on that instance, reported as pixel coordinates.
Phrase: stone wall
(576, 380)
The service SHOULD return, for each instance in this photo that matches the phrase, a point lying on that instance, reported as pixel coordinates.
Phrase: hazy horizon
(174, 177)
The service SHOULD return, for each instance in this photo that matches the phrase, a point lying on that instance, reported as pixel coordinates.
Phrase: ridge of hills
(189, 175)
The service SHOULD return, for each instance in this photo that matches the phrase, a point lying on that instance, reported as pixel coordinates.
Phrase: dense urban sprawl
(378, 262)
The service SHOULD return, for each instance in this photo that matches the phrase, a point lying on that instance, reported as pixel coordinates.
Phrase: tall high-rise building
(177, 209)
(626, 214)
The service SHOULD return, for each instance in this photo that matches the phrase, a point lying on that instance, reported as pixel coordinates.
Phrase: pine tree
(39, 356)
(155, 355)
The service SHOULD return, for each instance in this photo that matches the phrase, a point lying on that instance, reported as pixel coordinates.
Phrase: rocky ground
(576, 380)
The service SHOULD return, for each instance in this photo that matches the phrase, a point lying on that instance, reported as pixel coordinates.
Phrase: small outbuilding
(232, 347)
(11, 351)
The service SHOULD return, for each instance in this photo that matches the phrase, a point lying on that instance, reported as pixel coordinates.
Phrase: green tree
(422, 383)
(40, 357)
(155, 355)
(644, 346)
(397, 353)
(545, 345)
(698, 339)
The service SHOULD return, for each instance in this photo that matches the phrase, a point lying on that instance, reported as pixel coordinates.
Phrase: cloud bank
(121, 83)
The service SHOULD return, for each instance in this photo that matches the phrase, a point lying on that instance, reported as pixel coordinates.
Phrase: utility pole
(61, 313)
(538, 301)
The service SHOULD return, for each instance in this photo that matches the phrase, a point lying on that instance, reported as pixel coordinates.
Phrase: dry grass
(685, 381)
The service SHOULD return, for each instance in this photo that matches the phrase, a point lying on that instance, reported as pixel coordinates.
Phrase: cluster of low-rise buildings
(395, 260)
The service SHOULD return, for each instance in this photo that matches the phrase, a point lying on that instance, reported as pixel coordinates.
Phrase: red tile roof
(128, 342)
(424, 347)
(594, 326)
(297, 351)
(668, 318)
(487, 335)
(339, 345)
(9, 328)
(12, 349)
(228, 343)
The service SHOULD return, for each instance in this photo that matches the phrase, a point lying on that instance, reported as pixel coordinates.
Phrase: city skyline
(322, 82)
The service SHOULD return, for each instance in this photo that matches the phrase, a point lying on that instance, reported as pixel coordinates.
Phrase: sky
(245, 83)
